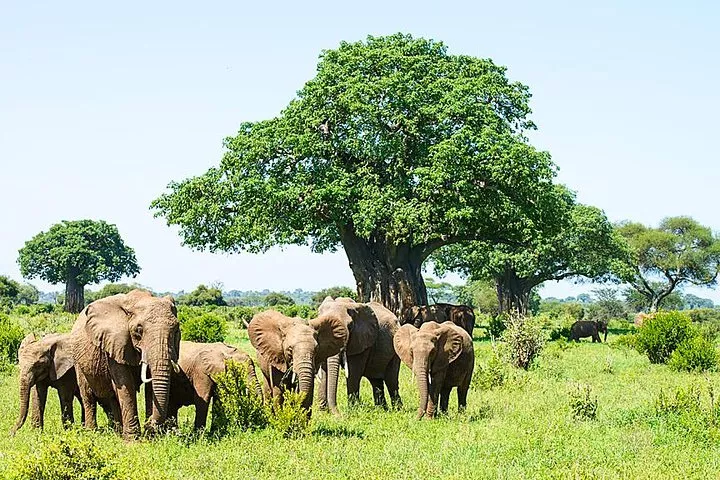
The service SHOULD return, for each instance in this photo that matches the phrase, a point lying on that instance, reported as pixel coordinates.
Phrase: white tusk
(143, 373)
(175, 366)
(429, 380)
(293, 378)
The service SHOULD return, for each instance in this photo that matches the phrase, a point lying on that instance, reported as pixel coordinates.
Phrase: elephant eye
(139, 330)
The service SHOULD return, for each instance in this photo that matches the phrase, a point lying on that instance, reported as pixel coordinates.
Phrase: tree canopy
(274, 299)
(585, 246)
(333, 292)
(77, 253)
(393, 150)
(680, 251)
(203, 295)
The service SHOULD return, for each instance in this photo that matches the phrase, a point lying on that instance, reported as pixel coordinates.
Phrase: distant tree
(203, 295)
(607, 306)
(393, 150)
(584, 298)
(585, 247)
(77, 253)
(9, 289)
(693, 301)
(680, 251)
(111, 289)
(275, 299)
(27, 294)
(439, 292)
(333, 292)
(637, 302)
(479, 294)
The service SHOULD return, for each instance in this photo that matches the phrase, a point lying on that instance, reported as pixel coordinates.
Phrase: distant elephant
(193, 384)
(588, 328)
(291, 347)
(116, 340)
(369, 352)
(461, 315)
(44, 363)
(441, 357)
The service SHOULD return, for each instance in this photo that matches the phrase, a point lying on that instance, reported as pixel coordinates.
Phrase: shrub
(70, 457)
(702, 315)
(11, 336)
(680, 402)
(497, 325)
(207, 328)
(290, 418)
(694, 354)
(583, 404)
(490, 375)
(523, 340)
(661, 334)
(626, 340)
(237, 405)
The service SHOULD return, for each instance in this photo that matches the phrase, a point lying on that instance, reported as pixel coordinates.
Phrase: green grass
(523, 429)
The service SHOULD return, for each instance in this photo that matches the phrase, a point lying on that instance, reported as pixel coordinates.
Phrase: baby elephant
(588, 328)
(193, 385)
(441, 356)
(44, 363)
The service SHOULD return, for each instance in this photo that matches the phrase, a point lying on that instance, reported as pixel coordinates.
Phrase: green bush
(497, 325)
(236, 406)
(583, 404)
(523, 341)
(72, 456)
(682, 401)
(490, 375)
(290, 418)
(694, 354)
(702, 315)
(206, 328)
(626, 340)
(11, 336)
(661, 334)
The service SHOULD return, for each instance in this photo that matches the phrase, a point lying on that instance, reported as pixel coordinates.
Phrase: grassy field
(522, 429)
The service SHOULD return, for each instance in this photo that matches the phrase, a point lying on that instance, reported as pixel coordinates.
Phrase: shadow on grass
(338, 432)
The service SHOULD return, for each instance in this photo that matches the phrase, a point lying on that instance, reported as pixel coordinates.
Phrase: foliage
(702, 315)
(492, 374)
(11, 336)
(27, 295)
(237, 406)
(683, 400)
(497, 324)
(607, 306)
(290, 418)
(680, 251)
(479, 294)
(694, 302)
(9, 289)
(207, 327)
(202, 295)
(637, 302)
(439, 292)
(558, 309)
(71, 456)
(523, 340)
(561, 330)
(109, 290)
(583, 404)
(277, 299)
(694, 354)
(661, 334)
(333, 292)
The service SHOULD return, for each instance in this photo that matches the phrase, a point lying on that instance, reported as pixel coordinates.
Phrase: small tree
(77, 253)
(8, 291)
(276, 299)
(27, 294)
(680, 251)
(333, 292)
(203, 295)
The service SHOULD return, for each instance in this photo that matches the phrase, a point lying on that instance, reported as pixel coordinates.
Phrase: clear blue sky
(102, 105)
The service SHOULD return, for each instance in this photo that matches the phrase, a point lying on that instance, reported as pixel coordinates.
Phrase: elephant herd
(126, 341)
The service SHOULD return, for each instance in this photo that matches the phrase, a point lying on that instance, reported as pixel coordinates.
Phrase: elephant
(441, 356)
(369, 353)
(291, 347)
(44, 363)
(116, 340)
(588, 328)
(193, 384)
(461, 315)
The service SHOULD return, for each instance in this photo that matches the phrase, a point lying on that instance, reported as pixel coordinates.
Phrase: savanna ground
(521, 429)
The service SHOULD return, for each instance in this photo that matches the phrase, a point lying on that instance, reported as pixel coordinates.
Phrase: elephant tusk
(143, 373)
(429, 380)
(175, 366)
(293, 378)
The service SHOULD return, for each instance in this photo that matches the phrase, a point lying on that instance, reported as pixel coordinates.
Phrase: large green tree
(77, 253)
(680, 251)
(393, 150)
(585, 246)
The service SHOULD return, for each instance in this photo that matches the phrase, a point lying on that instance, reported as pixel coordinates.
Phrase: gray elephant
(441, 357)
(289, 348)
(118, 342)
(193, 384)
(44, 363)
(369, 352)
(588, 328)
(461, 315)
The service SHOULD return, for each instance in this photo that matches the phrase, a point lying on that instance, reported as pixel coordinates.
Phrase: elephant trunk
(25, 387)
(421, 376)
(253, 381)
(305, 370)
(333, 371)
(160, 369)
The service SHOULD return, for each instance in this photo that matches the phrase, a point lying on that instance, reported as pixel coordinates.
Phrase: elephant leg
(76, 394)
(66, 395)
(39, 408)
(462, 392)
(355, 368)
(378, 392)
(202, 405)
(322, 392)
(392, 373)
(444, 399)
(124, 385)
(34, 408)
(89, 402)
(114, 414)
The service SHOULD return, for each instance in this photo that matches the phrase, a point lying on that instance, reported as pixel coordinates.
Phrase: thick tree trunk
(513, 293)
(388, 274)
(74, 294)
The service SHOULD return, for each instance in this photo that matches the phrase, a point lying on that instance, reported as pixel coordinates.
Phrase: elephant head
(290, 343)
(212, 360)
(139, 329)
(428, 351)
(46, 359)
(411, 314)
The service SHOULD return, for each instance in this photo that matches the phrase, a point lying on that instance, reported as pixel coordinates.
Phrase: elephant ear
(29, 338)
(62, 358)
(402, 341)
(267, 333)
(212, 361)
(449, 347)
(107, 327)
(362, 330)
(332, 336)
